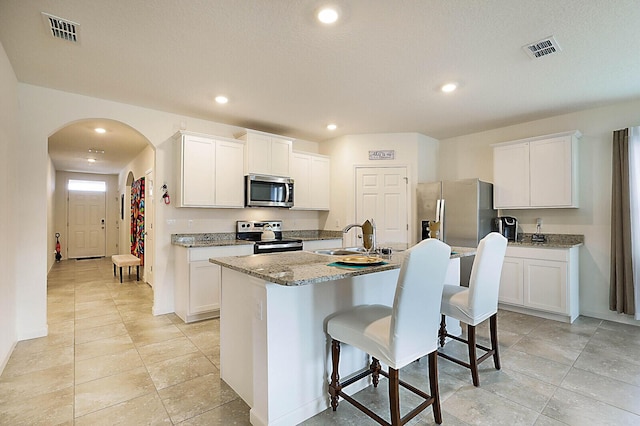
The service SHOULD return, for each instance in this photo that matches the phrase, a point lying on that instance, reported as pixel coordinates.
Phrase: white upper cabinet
(211, 171)
(540, 172)
(310, 173)
(267, 154)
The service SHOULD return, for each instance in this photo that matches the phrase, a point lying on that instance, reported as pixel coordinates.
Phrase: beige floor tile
(517, 387)
(478, 406)
(106, 365)
(143, 410)
(539, 368)
(100, 332)
(19, 389)
(605, 389)
(235, 412)
(609, 362)
(194, 397)
(180, 369)
(547, 349)
(109, 345)
(574, 409)
(108, 391)
(156, 334)
(147, 322)
(162, 351)
(97, 321)
(47, 409)
(28, 363)
(53, 340)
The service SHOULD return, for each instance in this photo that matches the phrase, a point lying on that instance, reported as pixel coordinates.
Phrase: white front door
(148, 227)
(381, 195)
(86, 221)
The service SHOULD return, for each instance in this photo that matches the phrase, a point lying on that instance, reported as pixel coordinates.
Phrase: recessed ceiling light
(332, 126)
(100, 130)
(449, 87)
(328, 15)
(222, 99)
(91, 160)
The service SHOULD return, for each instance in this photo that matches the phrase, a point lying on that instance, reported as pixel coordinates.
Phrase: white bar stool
(476, 303)
(397, 335)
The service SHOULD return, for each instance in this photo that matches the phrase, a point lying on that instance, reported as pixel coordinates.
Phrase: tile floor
(108, 361)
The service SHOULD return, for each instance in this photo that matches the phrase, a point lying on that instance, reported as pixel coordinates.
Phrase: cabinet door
(550, 172)
(258, 154)
(511, 283)
(545, 285)
(198, 171)
(301, 172)
(511, 176)
(320, 182)
(204, 287)
(229, 174)
(280, 157)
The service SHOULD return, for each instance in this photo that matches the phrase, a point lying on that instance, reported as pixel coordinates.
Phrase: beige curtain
(621, 295)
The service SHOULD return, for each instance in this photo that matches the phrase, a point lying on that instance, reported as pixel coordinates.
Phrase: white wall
(471, 156)
(51, 208)
(112, 203)
(415, 151)
(9, 207)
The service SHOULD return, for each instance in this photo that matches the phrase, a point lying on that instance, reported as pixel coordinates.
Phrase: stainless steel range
(265, 241)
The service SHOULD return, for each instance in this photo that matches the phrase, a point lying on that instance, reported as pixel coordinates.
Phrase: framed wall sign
(385, 154)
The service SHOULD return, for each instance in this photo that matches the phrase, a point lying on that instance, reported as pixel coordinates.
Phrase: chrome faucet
(373, 236)
(348, 227)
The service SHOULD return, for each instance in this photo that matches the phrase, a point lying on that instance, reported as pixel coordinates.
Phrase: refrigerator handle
(438, 210)
(442, 217)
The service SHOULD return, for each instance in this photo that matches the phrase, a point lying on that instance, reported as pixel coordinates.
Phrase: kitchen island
(274, 351)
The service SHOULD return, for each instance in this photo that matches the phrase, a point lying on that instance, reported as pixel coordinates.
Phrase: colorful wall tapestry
(137, 219)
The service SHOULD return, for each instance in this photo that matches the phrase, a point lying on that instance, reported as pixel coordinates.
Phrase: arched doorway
(118, 155)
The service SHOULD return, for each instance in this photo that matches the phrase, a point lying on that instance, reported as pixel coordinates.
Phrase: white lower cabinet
(541, 281)
(197, 281)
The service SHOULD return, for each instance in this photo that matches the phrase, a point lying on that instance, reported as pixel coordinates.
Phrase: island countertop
(303, 268)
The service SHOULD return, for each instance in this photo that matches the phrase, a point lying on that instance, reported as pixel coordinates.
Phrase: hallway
(108, 360)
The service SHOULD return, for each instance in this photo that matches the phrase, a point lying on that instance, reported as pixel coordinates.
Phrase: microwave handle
(286, 196)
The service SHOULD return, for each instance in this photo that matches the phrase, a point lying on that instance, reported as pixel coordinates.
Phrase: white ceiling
(378, 69)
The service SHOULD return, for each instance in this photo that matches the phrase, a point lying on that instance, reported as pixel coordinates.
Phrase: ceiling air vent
(62, 28)
(544, 47)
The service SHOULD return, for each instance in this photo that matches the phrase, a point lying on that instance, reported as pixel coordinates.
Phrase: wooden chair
(397, 335)
(476, 303)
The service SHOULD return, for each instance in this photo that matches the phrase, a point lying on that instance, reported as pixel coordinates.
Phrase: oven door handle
(278, 246)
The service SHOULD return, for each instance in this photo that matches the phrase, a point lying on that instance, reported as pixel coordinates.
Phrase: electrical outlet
(539, 221)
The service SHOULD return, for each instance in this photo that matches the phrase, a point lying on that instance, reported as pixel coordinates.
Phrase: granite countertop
(303, 268)
(229, 238)
(553, 241)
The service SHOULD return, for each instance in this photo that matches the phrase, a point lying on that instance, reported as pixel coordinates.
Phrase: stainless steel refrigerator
(464, 209)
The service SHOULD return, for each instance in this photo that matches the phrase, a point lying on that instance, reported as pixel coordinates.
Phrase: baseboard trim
(33, 334)
(5, 359)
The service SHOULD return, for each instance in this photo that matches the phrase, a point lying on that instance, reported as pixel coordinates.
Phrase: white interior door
(149, 215)
(381, 195)
(86, 224)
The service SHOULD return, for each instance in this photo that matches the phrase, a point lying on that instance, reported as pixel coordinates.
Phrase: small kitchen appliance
(267, 236)
(268, 191)
(507, 226)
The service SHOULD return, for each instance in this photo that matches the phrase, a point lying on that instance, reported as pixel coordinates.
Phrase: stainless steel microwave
(268, 191)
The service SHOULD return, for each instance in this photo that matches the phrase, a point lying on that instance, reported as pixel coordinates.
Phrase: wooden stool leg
(114, 269)
(335, 387)
(375, 372)
(137, 273)
(394, 396)
(121, 275)
(442, 333)
(493, 325)
(473, 359)
(433, 384)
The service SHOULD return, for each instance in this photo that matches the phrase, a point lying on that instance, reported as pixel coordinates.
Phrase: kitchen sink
(341, 251)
